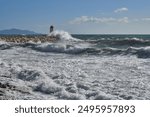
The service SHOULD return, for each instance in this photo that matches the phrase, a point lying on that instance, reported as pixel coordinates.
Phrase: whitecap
(62, 36)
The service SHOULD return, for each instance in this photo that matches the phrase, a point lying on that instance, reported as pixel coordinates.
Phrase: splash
(62, 35)
(65, 44)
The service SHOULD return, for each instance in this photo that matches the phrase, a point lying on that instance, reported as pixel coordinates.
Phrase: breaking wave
(4, 45)
(108, 69)
(89, 49)
(104, 46)
(62, 48)
(135, 42)
(62, 36)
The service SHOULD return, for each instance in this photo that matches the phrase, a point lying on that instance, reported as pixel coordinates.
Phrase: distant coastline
(15, 31)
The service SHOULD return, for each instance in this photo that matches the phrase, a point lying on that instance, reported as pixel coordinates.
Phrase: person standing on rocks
(51, 28)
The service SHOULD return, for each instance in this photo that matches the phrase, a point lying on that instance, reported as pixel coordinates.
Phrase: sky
(77, 16)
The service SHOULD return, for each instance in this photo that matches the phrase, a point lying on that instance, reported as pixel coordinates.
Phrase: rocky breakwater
(27, 38)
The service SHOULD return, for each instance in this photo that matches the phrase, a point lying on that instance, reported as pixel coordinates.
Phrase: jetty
(27, 38)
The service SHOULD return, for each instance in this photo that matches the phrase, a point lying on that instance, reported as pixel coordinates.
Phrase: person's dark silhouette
(51, 28)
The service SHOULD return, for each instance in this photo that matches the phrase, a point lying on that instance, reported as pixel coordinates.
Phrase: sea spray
(65, 44)
(62, 36)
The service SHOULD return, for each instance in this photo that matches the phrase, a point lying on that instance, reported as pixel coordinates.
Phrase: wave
(121, 42)
(4, 45)
(143, 52)
(60, 48)
(35, 80)
(84, 48)
(81, 48)
(65, 44)
(62, 36)
(70, 45)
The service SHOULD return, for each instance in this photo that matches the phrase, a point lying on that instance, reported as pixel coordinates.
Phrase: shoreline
(27, 38)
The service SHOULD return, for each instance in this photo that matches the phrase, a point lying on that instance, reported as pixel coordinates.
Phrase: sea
(77, 67)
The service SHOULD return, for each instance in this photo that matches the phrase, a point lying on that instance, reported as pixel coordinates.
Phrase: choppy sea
(89, 67)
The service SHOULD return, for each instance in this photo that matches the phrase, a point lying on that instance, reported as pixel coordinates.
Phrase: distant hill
(16, 32)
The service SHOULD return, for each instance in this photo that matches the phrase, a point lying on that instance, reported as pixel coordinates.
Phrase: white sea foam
(65, 44)
(4, 45)
(57, 76)
(62, 36)
(29, 72)
(62, 47)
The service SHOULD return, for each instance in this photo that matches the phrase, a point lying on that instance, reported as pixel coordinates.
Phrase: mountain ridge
(16, 31)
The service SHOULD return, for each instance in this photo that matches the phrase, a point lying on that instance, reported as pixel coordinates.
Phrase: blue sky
(77, 16)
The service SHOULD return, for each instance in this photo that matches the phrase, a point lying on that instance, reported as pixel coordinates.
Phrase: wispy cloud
(123, 9)
(87, 19)
(146, 19)
(124, 20)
